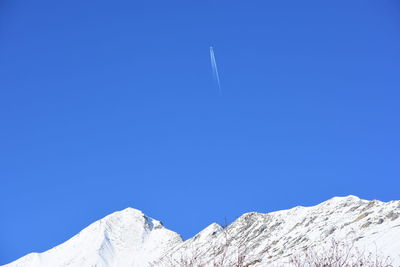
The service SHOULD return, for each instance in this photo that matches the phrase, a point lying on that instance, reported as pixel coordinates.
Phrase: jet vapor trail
(215, 69)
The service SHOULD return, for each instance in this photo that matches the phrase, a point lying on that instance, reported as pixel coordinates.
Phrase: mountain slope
(257, 239)
(128, 238)
(124, 238)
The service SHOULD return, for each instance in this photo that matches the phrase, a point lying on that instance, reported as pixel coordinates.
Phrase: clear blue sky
(110, 104)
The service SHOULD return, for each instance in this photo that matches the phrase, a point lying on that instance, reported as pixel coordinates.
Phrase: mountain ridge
(130, 238)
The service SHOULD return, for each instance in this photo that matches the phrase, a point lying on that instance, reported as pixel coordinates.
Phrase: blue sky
(110, 104)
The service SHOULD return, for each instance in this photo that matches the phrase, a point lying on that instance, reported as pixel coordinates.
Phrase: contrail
(215, 69)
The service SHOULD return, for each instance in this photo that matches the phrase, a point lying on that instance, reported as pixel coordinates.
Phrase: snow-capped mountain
(124, 238)
(347, 225)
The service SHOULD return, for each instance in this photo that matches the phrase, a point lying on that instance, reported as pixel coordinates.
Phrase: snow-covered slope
(124, 238)
(348, 224)
(129, 238)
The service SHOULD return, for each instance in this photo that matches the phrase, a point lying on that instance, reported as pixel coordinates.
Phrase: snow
(129, 238)
(124, 238)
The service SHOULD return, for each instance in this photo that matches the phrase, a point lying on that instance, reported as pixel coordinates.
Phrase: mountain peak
(123, 238)
(127, 212)
(259, 239)
(129, 238)
(344, 198)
